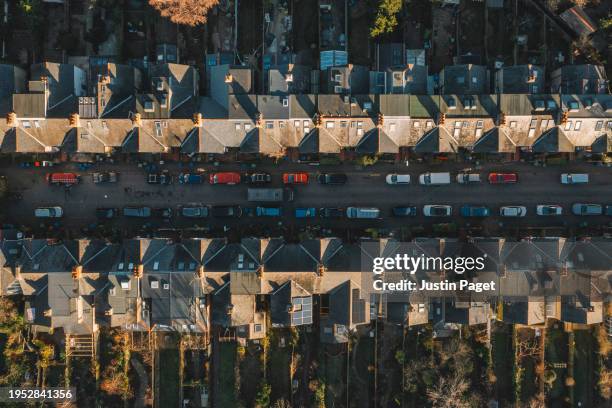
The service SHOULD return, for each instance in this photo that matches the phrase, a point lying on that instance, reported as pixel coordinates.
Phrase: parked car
(332, 178)
(230, 178)
(362, 212)
(106, 213)
(433, 210)
(49, 212)
(43, 163)
(433, 179)
(404, 211)
(549, 209)
(574, 178)
(138, 212)
(269, 211)
(397, 179)
(190, 178)
(226, 211)
(608, 210)
(163, 212)
(468, 178)
(67, 179)
(475, 211)
(305, 212)
(331, 212)
(503, 178)
(257, 178)
(513, 211)
(105, 177)
(194, 211)
(164, 178)
(587, 209)
(295, 178)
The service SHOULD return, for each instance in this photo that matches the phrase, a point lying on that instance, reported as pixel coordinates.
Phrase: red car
(224, 178)
(63, 178)
(503, 178)
(295, 178)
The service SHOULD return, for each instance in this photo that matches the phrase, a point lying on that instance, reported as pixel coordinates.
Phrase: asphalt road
(365, 187)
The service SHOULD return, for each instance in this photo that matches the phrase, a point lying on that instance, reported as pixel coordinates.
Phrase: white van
(432, 179)
(49, 212)
(574, 178)
(362, 212)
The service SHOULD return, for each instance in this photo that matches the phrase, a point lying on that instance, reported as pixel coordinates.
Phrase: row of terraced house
(75, 112)
(245, 288)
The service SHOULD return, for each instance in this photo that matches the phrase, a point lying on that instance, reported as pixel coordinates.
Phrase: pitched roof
(437, 140)
(495, 140)
(553, 140)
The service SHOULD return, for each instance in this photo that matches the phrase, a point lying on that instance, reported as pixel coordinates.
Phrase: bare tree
(528, 348)
(449, 393)
(188, 12)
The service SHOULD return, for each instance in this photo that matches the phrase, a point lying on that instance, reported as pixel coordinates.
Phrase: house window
(26, 124)
(416, 124)
(599, 125)
(513, 124)
(465, 124)
(296, 123)
(112, 292)
(480, 124)
(568, 125)
(533, 123)
(544, 123)
(238, 126)
(247, 126)
(343, 124)
(392, 127)
(305, 123)
(258, 328)
(531, 133)
(269, 125)
(329, 125)
(578, 125)
(457, 132)
(359, 125)
(457, 124)
(281, 125)
(429, 123)
(104, 126)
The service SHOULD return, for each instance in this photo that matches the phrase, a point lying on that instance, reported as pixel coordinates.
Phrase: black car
(106, 213)
(226, 211)
(332, 178)
(331, 212)
(404, 211)
(257, 178)
(159, 178)
(162, 212)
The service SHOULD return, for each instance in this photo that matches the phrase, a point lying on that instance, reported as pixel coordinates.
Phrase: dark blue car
(475, 211)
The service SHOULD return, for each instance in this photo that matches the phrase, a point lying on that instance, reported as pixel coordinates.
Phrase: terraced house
(121, 110)
(197, 285)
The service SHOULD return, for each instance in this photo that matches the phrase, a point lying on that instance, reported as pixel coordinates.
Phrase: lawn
(251, 373)
(332, 370)
(168, 371)
(503, 363)
(361, 379)
(227, 394)
(279, 368)
(556, 352)
(584, 368)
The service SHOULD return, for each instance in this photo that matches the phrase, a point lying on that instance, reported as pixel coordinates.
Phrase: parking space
(365, 188)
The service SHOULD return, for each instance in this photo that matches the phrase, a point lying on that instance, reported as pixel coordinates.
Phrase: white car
(433, 210)
(49, 212)
(513, 211)
(398, 178)
(549, 209)
(467, 178)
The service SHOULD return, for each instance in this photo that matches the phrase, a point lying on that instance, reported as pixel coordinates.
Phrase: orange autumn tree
(188, 12)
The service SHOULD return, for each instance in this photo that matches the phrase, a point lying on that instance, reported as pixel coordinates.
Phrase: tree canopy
(386, 17)
(188, 12)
